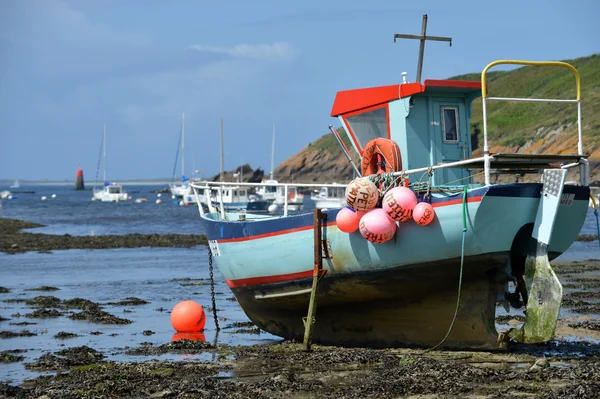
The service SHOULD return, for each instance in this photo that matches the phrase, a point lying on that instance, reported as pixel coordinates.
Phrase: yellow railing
(531, 63)
(484, 97)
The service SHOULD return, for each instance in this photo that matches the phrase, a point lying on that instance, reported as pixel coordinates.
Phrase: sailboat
(227, 197)
(16, 184)
(180, 190)
(271, 192)
(111, 192)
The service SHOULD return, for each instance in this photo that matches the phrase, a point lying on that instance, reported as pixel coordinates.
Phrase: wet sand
(12, 240)
(568, 367)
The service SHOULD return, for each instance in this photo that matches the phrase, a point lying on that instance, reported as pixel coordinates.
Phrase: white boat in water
(330, 197)
(16, 184)
(111, 192)
(270, 190)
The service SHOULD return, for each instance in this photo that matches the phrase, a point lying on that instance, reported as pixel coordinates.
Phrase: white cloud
(272, 52)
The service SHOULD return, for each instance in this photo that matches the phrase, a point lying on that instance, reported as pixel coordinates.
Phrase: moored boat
(404, 291)
(333, 196)
(111, 192)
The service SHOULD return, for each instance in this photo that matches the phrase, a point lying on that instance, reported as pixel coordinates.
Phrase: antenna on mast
(423, 37)
(222, 156)
(272, 155)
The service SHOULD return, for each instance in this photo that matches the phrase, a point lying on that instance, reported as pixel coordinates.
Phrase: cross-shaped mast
(422, 38)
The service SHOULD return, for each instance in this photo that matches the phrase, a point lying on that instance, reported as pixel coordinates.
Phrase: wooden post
(318, 268)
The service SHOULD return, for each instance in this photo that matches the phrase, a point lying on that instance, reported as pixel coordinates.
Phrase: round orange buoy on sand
(347, 220)
(192, 336)
(423, 213)
(188, 316)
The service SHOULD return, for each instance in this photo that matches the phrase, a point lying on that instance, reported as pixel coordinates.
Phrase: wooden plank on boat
(283, 294)
(527, 161)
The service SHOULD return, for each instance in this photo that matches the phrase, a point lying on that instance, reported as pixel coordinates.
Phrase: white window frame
(442, 109)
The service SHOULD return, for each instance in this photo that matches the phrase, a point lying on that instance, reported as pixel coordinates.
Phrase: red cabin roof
(354, 100)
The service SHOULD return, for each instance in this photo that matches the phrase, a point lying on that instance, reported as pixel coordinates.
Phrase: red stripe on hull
(280, 278)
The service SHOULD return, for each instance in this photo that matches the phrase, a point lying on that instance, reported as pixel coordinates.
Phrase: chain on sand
(212, 288)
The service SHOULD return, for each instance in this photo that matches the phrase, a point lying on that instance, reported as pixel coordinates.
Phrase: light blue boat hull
(402, 292)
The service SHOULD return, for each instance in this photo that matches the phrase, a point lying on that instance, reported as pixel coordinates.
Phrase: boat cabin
(114, 189)
(232, 195)
(429, 121)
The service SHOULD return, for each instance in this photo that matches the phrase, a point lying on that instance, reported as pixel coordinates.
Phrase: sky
(69, 66)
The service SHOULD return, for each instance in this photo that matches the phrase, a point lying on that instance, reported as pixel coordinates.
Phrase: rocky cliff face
(314, 164)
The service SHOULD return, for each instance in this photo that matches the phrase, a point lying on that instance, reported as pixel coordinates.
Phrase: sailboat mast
(272, 154)
(222, 154)
(104, 152)
(182, 143)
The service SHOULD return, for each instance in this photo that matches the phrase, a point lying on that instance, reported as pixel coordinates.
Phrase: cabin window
(450, 124)
(235, 193)
(242, 193)
(369, 125)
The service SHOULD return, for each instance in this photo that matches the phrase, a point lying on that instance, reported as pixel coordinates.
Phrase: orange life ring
(381, 155)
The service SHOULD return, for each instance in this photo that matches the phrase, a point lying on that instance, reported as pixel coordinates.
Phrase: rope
(595, 205)
(462, 259)
(212, 288)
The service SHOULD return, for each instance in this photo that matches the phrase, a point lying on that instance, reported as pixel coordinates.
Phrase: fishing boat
(270, 190)
(428, 285)
(111, 192)
(330, 197)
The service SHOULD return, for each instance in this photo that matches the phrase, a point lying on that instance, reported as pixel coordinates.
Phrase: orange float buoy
(192, 336)
(347, 220)
(423, 213)
(188, 316)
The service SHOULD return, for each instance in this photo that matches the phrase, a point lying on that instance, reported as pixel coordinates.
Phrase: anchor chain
(212, 288)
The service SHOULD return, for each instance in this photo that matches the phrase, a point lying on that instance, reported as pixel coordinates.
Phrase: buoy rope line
(462, 259)
(212, 288)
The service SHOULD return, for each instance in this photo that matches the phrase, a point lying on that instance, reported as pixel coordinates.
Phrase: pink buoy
(423, 213)
(399, 203)
(362, 194)
(347, 220)
(377, 227)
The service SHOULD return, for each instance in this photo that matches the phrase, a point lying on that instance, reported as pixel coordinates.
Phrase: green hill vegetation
(329, 143)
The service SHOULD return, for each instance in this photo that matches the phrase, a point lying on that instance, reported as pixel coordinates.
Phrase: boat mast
(105, 152)
(182, 143)
(222, 156)
(272, 154)
(423, 37)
